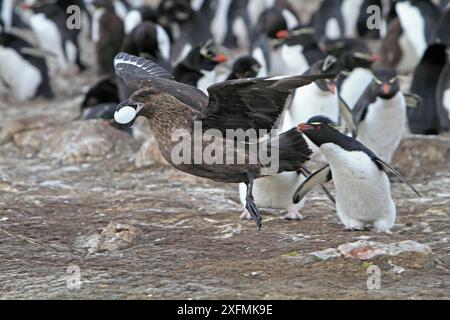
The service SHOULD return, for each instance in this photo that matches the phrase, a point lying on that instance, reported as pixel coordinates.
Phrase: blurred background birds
(391, 59)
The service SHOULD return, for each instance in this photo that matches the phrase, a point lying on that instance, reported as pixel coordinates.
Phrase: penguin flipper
(327, 192)
(387, 167)
(360, 109)
(412, 100)
(347, 116)
(320, 176)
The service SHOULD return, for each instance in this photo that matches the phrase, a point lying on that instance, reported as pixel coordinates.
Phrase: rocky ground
(83, 195)
(80, 200)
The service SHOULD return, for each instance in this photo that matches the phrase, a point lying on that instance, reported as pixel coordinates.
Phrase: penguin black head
(245, 67)
(142, 41)
(105, 4)
(351, 53)
(385, 83)
(105, 91)
(48, 7)
(272, 21)
(361, 57)
(338, 47)
(148, 13)
(300, 35)
(326, 66)
(204, 57)
(179, 11)
(320, 130)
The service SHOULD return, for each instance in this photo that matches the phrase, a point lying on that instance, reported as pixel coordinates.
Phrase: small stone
(420, 155)
(364, 250)
(327, 254)
(118, 236)
(149, 154)
(395, 268)
(80, 141)
(89, 243)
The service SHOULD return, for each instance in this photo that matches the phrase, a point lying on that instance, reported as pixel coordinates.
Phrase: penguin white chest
(163, 42)
(98, 14)
(48, 37)
(363, 192)
(384, 126)
(293, 59)
(256, 7)
(290, 19)
(350, 12)
(22, 77)
(413, 25)
(219, 24)
(310, 101)
(332, 29)
(258, 54)
(354, 85)
(275, 192)
(447, 102)
(409, 58)
(132, 20)
(209, 78)
(120, 9)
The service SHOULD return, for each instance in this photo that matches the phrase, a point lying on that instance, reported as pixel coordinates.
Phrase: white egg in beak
(125, 115)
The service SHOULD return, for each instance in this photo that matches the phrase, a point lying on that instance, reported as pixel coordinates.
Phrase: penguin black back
(203, 57)
(326, 66)
(20, 46)
(425, 118)
(443, 98)
(351, 53)
(270, 22)
(304, 36)
(329, 9)
(105, 91)
(245, 67)
(143, 42)
(322, 130)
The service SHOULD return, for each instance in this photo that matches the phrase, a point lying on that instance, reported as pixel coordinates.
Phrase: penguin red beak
(302, 127)
(331, 87)
(374, 57)
(220, 58)
(386, 88)
(25, 6)
(283, 34)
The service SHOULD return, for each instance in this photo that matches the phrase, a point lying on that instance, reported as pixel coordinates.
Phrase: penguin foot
(383, 226)
(245, 215)
(356, 229)
(355, 225)
(383, 231)
(293, 215)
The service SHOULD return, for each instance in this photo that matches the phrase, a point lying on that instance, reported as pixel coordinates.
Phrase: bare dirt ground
(175, 236)
(71, 196)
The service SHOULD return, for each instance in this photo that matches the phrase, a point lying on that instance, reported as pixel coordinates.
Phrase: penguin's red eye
(318, 128)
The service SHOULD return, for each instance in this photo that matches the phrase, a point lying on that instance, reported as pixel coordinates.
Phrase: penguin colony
(338, 104)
